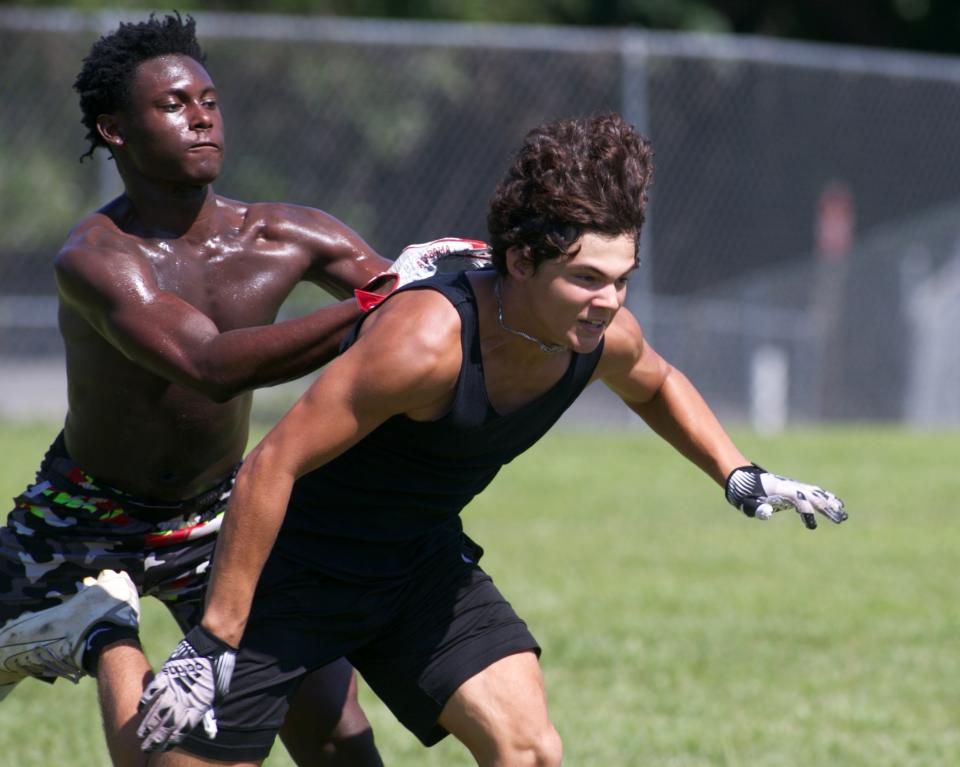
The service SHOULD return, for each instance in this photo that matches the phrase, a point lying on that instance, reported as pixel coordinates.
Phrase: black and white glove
(422, 260)
(757, 493)
(184, 691)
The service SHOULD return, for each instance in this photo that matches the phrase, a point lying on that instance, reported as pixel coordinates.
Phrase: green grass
(676, 632)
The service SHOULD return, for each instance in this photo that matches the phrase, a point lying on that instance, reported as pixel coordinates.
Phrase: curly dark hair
(104, 79)
(570, 177)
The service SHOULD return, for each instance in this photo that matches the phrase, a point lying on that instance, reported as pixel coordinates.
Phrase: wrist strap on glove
(206, 643)
(367, 298)
(743, 486)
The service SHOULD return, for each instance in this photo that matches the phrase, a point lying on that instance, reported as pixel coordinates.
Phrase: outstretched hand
(184, 691)
(448, 254)
(758, 493)
(422, 260)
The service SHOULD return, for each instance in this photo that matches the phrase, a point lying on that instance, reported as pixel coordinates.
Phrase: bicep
(341, 259)
(326, 421)
(402, 365)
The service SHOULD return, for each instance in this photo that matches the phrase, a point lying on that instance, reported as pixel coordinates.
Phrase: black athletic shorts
(414, 642)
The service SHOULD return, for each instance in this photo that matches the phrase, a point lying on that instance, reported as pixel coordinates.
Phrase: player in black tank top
(440, 466)
(442, 384)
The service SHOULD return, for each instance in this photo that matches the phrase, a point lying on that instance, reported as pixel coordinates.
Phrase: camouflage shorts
(66, 526)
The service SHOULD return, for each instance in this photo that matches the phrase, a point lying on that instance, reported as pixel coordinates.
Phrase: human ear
(108, 126)
(519, 265)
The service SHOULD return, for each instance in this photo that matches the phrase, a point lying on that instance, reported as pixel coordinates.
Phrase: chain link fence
(801, 258)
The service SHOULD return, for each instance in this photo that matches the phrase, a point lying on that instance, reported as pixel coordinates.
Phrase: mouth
(204, 145)
(592, 326)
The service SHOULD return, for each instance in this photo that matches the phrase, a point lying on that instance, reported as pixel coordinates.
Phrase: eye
(587, 279)
(169, 107)
(210, 103)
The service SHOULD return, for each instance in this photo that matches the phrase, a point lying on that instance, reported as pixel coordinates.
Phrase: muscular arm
(665, 399)
(407, 361)
(117, 293)
(340, 259)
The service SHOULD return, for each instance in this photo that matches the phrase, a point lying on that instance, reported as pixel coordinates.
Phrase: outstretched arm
(342, 262)
(118, 295)
(339, 259)
(674, 409)
(665, 399)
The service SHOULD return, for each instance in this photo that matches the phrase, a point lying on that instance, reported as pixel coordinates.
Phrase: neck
(545, 347)
(174, 216)
(168, 210)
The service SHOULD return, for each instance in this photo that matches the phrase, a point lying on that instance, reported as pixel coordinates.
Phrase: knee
(535, 749)
(550, 749)
(353, 721)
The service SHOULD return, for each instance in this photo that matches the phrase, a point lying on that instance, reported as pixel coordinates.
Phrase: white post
(769, 387)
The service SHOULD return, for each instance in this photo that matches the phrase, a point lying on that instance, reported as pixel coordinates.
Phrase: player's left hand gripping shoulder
(422, 260)
(183, 693)
(758, 493)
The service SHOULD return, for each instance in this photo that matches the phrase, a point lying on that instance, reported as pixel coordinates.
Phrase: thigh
(295, 628)
(318, 705)
(498, 708)
(325, 724)
(178, 758)
(453, 623)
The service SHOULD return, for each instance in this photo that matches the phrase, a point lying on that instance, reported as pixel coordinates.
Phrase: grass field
(676, 632)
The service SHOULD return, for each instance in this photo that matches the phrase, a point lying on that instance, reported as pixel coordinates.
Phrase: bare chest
(234, 283)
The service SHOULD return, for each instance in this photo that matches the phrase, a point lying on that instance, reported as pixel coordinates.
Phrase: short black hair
(104, 79)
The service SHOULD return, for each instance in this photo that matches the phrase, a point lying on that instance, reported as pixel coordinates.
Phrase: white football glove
(448, 254)
(757, 493)
(184, 691)
(422, 260)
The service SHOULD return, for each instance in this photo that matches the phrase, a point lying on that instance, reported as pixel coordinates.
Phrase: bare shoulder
(97, 246)
(417, 332)
(423, 315)
(337, 255)
(296, 223)
(279, 213)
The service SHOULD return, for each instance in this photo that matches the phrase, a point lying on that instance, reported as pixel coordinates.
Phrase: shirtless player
(168, 296)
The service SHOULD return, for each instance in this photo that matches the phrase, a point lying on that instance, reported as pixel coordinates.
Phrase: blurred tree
(927, 25)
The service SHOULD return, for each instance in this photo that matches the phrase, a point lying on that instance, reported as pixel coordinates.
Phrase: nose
(609, 297)
(201, 118)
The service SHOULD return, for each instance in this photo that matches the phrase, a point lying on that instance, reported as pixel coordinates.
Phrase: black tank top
(393, 499)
